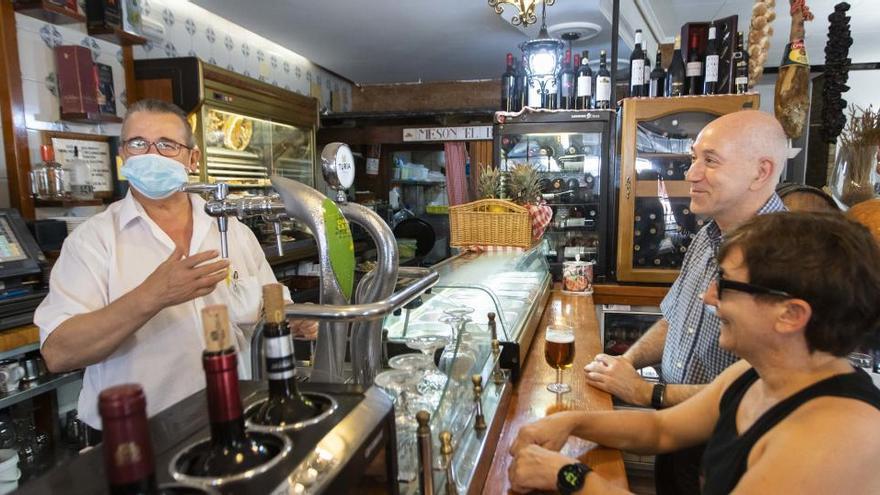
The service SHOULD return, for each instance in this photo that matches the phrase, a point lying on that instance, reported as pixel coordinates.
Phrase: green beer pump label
(340, 246)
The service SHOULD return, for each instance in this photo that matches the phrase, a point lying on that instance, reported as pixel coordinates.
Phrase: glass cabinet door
(570, 165)
(655, 224)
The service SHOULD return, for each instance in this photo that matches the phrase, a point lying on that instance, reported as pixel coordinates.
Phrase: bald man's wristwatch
(571, 478)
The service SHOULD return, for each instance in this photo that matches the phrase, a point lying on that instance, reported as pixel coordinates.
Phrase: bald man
(736, 163)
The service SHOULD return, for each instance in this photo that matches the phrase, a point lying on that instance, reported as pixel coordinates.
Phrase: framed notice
(94, 149)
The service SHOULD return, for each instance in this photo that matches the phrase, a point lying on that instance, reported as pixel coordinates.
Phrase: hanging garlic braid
(760, 32)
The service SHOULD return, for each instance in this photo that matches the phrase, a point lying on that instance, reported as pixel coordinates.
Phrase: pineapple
(524, 187)
(487, 186)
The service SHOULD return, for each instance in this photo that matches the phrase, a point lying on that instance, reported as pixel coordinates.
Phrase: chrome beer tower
(345, 316)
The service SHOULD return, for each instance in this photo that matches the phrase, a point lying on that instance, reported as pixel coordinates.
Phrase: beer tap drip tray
(181, 464)
(326, 403)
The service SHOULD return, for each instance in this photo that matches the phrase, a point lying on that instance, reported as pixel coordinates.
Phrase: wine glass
(396, 383)
(457, 318)
(559, 353)
(433, 380)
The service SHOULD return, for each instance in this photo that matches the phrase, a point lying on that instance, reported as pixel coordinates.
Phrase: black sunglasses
(724, 284)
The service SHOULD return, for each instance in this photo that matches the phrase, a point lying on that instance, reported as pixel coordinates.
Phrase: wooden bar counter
(531, 400)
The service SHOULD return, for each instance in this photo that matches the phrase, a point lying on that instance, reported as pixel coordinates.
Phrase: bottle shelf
(117, 36)
(67, 203)
(47, 11)
(33, 388)
(91, 117)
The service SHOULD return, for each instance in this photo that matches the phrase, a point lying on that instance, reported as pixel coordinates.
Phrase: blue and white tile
(41, 107)
(36, 59)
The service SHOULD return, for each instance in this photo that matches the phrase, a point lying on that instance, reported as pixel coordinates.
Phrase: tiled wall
(188, 30)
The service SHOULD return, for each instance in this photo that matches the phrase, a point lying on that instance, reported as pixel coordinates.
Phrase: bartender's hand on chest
(181, 278)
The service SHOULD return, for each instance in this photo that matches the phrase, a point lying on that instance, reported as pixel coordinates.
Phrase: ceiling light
(542, 57)
(525, 10)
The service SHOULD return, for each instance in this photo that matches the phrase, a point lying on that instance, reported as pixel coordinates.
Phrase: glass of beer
(559, 353)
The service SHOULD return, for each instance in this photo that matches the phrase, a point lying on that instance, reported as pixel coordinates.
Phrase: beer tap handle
(426, 460)
(446, 450)
(276, 225)
(480, 420)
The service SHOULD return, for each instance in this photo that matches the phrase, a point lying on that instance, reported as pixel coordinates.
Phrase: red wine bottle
(675, 76)
(566, 83)
(603, 83)
(285, 405)
(128, 453)
(232, 449)
(584, 83)
(508, 86)
(710, 80)
(741, 67)
(657, 82)
(694, 68)
(637, 67)
(646, 88)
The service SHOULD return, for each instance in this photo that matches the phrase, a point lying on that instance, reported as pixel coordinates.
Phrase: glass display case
(570, 150)
(247, 129)
(451, 325)
(246, 150)
(655, 225)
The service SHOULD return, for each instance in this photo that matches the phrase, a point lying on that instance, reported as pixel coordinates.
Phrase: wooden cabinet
(655, 225)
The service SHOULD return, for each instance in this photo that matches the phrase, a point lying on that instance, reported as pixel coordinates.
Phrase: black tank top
(726, 457)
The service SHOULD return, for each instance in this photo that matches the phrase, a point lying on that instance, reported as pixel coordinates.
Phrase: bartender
(126, 293)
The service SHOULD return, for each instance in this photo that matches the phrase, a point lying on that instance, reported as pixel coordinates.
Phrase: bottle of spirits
(657, 82)
(80, 177)
(285, 405)
(508, 86)
(128, 453)
(48, 179)
(675, 76)
(603, 84)
(522, 85)
(637, 67)
(710, 81)
(566, 82)
(741, 67)
(585, 83)
(694, 69)
(233, 450)
(646, 88)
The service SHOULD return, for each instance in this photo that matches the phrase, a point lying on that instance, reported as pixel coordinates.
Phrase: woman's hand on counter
(550, 432)
(618, 377)
(536, 468)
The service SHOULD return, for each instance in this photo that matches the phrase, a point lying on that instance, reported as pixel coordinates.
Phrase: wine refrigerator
(573, 153)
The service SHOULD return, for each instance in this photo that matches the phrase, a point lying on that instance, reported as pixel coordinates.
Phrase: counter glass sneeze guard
(512, 286)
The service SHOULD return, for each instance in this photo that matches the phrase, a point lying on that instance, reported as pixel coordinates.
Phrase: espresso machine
(328, 453)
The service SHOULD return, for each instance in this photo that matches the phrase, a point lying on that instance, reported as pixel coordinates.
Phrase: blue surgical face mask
(154, 176)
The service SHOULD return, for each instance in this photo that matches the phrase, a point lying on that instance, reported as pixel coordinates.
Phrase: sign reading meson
(467, 133)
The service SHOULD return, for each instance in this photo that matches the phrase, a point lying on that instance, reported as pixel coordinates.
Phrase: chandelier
(542, 57)
(525, 10)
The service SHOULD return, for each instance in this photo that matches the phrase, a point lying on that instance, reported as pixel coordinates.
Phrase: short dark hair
(829, 261)
(160, 106)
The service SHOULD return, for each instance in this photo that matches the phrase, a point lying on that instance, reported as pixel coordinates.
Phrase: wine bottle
(710, 81)
(285, 405)
(550, 95)
(637, 67)
(508, 86)
(741, 66)
(603, 84)
(566, 82)
(675, 76)
(522, 85)
(232, 449)
(657, 82)
(585, 83)
(694, 69)
(647, 86)
(128, 453)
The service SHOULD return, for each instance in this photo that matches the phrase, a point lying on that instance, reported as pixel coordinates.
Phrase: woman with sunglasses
(795, 293)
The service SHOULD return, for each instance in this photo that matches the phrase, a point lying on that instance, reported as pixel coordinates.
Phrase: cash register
(21, 271)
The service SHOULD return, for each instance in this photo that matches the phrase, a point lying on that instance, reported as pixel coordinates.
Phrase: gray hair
(160, 106)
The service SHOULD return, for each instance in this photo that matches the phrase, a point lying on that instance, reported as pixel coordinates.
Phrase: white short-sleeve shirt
(114, 252)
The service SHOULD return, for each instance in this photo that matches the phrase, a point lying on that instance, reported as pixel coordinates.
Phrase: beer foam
(560, 337)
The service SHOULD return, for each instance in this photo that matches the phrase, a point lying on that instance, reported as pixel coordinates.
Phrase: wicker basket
(490, 222)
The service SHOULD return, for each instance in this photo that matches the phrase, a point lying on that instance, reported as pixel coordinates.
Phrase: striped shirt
(692, 354)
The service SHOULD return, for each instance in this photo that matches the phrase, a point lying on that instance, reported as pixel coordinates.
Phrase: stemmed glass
(559, 353)
(433, 380)
(396, 384)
